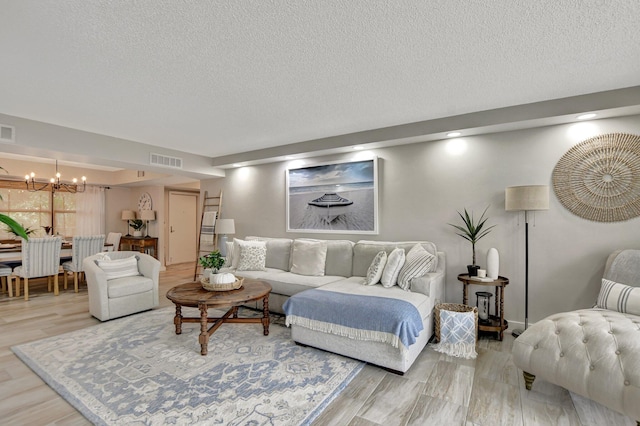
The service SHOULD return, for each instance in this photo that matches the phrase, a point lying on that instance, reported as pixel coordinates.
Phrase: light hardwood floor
(437, 390)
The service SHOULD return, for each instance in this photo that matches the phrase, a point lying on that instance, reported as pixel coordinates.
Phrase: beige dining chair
(81, 247)
(114, 238)
(5, 277)
(40, 258)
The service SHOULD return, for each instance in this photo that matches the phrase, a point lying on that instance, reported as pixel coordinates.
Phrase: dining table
(11, 252)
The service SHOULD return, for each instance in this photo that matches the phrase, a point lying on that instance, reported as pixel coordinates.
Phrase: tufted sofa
(592, 352)
(345, 267)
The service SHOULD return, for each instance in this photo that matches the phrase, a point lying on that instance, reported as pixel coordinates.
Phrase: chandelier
(55, 182)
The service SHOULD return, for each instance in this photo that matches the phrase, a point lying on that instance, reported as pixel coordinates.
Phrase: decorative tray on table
(221, 287)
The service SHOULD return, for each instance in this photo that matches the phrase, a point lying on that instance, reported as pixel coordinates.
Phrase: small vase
(206, 273)
(493, 263)
(137, 233)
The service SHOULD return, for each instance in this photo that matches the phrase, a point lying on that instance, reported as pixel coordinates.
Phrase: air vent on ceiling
(7, 133)
(166, 161)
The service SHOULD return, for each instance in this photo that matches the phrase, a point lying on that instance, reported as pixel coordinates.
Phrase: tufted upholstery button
(592, 367)
(585, 340)
(561, 354)
(557, 331)
(626, 383)
(610, 332)
(535, 347)
(618, 352)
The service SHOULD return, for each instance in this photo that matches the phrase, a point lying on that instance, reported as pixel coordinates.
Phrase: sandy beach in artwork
(359, 217)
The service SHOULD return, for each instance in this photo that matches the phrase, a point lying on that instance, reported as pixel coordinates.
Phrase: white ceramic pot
(137, 233)
(493, 263)
(206, 273)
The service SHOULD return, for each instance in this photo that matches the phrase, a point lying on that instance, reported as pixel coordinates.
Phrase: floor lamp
(526, 198)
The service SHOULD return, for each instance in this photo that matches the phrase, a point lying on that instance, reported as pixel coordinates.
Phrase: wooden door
(183, 227)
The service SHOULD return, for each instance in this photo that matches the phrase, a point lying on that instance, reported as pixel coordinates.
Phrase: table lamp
(224, 227)
(128, 215)
(148, 215)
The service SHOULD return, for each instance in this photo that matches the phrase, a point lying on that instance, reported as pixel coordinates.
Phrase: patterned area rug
(136, 370)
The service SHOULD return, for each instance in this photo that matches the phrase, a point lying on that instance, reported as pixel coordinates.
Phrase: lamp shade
(527, 198)
(225, 226)
(148, 215)
(128, 215)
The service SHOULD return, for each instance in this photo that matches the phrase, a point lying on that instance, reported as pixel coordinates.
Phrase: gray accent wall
(422, 185)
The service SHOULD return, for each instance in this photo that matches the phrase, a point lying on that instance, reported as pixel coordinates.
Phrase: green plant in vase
(26, 231)
(211, 263)
(472, 231)
(138, 226)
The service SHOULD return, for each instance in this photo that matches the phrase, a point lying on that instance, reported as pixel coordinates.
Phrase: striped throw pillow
(619, 297)
(119, 268)
(417, 264)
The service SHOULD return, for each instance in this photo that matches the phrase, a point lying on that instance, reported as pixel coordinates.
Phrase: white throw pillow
(619, 297)
(235, 253)
(308, 257)
(253, 255)
(119, 268)
(228, 261)
(375, 269)
(417, 264)
(395, 262)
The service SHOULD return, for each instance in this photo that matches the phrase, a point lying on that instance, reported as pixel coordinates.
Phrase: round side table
(495, 323)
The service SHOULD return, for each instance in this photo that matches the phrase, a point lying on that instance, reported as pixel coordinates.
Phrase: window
(33, 210)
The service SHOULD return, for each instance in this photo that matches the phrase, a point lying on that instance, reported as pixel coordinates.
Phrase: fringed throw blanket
(457, 334)
(373, 318)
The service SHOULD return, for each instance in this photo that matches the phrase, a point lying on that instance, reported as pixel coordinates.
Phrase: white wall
(421, 186)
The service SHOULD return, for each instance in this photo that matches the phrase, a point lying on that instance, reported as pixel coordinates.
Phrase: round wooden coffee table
(193, 295)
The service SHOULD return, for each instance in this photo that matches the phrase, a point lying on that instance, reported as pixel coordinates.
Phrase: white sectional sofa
(343, 272)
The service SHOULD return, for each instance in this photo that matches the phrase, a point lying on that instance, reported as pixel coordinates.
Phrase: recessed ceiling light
(453, 134)
(357, 148)
(586, 116)
(236, 165)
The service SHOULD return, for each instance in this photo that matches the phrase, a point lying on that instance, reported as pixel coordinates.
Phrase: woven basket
(452, 307)
(222, 287)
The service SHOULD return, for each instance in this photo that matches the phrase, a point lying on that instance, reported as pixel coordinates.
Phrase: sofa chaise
(592, 352)
(291, 271)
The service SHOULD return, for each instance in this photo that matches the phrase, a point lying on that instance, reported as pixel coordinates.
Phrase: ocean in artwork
(358, 216)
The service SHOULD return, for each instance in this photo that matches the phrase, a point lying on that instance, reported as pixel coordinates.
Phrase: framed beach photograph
(338, 197)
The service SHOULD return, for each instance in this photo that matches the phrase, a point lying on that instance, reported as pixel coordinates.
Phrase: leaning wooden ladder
(211, 210)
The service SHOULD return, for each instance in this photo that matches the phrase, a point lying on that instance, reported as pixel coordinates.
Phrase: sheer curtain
(90, 211)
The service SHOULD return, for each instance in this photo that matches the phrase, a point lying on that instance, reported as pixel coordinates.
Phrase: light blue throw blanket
(374, 318)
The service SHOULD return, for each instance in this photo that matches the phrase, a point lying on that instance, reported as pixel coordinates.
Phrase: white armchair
(117, 297)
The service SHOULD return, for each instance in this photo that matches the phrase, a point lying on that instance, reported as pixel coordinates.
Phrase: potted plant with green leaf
(21, 231)
(14, 227)
(138, 226)
(473, 231)
(211, 263)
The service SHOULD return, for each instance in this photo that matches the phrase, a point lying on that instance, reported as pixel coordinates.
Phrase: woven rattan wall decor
(599, 179)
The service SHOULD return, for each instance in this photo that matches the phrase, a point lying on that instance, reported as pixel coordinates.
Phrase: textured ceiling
(224, 77)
